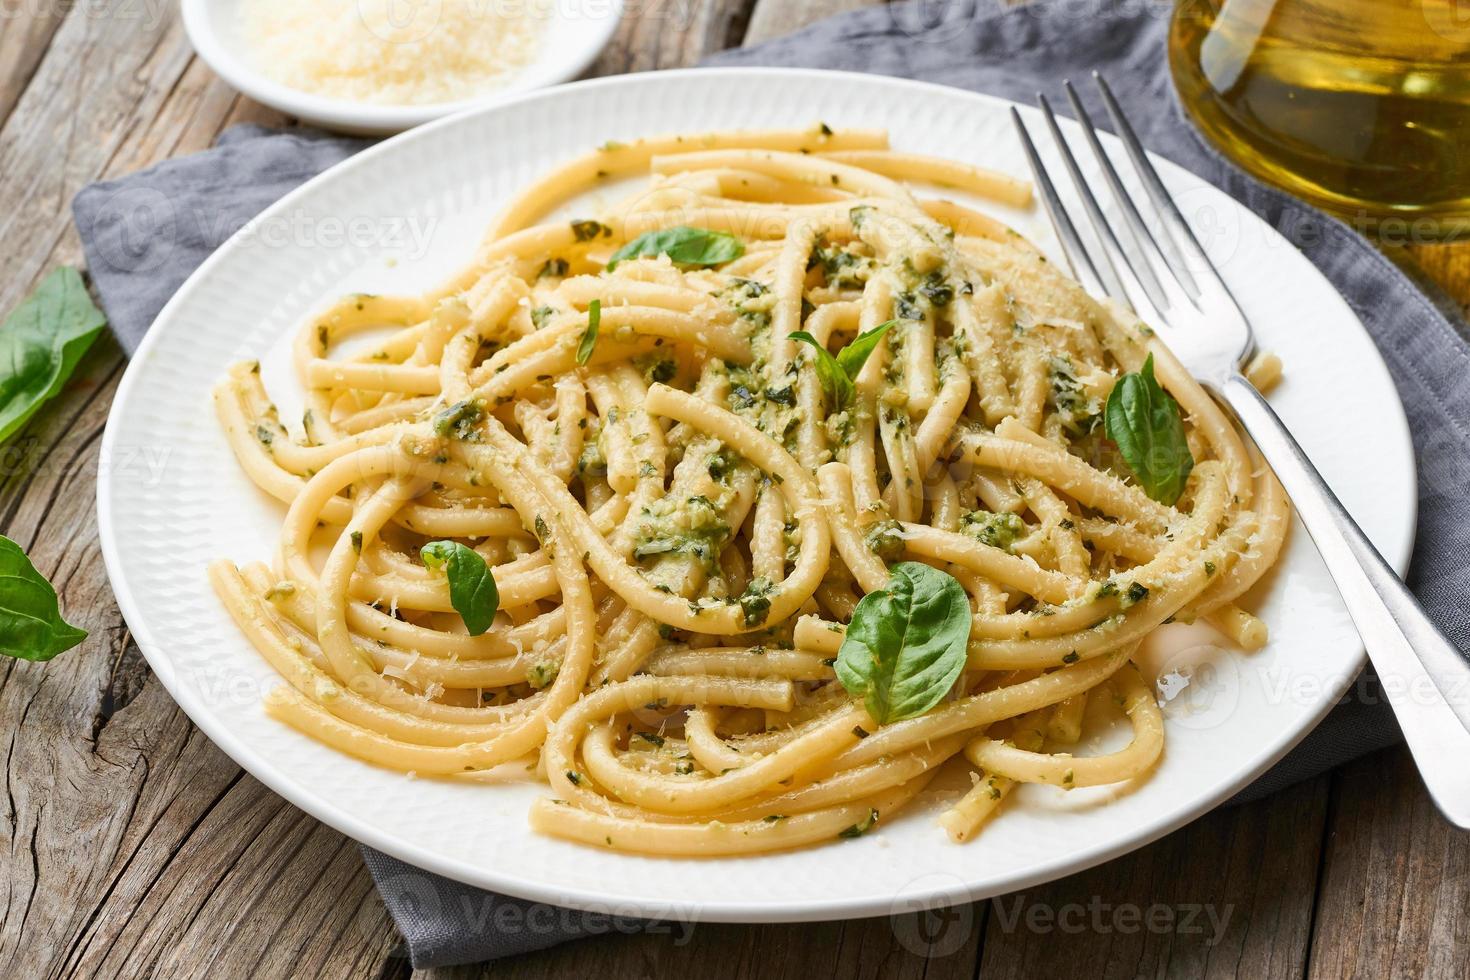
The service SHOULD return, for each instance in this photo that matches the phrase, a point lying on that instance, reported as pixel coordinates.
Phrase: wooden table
(132, 846)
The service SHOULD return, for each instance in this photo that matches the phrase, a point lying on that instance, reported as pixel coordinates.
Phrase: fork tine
(1083, 268)
(1206, 276)
(1162, 249)
(1136, 292)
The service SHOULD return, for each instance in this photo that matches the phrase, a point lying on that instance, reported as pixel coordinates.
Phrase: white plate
(575, 32)
(171, 498)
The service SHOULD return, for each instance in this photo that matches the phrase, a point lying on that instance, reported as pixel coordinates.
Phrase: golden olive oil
(1360, 106)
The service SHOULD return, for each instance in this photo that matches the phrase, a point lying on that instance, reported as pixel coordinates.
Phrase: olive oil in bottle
(1360, 106)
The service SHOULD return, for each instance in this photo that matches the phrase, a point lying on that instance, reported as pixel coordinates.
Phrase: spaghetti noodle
(681, 513)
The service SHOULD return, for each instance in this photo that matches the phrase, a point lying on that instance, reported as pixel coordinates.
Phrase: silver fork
(1170, 283)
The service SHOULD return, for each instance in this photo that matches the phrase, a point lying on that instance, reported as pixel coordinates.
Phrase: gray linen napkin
(145, 233)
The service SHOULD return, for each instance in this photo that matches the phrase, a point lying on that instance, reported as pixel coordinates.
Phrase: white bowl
(575, 33)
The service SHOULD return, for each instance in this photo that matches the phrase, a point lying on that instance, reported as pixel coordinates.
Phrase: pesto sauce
(997, 530)
(885, 539)
(755, 601)
(1078, 414)
(695, 527)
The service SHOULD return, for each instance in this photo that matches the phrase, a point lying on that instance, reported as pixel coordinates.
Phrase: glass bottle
(1360, 106)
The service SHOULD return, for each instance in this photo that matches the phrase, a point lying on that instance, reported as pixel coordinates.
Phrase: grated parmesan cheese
(390, 52)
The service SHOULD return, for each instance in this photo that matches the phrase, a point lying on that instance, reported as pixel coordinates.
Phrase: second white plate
(405, 214)
(575, 32)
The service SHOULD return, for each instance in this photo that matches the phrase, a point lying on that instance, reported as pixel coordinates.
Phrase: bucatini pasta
(678, 507)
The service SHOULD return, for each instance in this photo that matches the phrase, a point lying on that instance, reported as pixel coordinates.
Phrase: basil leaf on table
(906, 643)
(41, 343)
(589, 336)
(683, 245)
(1144, 421)
(31, 627)
(472, 589)
(838, 373)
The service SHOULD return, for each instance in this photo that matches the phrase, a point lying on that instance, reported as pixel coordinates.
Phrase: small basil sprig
(906, 644)
(683, 245)
(41, 343)
(31, 627)
(1144, 421)
(589, 336)
(837, 374)
(472, 589)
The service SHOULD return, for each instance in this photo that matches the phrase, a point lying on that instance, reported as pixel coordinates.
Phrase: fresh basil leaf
(589, 336)
(836, 385)
(1144, 421)
(41, 343)
(852, 357)
(472, 589)
(683, 245)
(31, 627)
(906, 644)
(837, 374)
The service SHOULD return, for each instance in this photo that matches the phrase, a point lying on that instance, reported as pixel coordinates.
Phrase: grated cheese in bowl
(394, 52)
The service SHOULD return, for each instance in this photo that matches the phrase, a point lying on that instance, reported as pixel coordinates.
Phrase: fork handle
(1425, 679)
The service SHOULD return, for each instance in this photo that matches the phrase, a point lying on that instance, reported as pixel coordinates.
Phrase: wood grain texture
(27, 31)
(1394, 899)
(131, 847)
(880, 949)
(772, 18)
(672, 34)
(1198, 903)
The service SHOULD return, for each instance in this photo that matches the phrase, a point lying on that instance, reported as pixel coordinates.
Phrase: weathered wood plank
(127, 835)
(672, 34)
(871, 949)
(28, 29)
(188, 121)
(129, 844)
(245, 111)
(1229, 895)
(1395, 890)
(772, 18)
(104, 78)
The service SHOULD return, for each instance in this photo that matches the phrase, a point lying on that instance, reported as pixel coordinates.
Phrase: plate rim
(585, 897)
